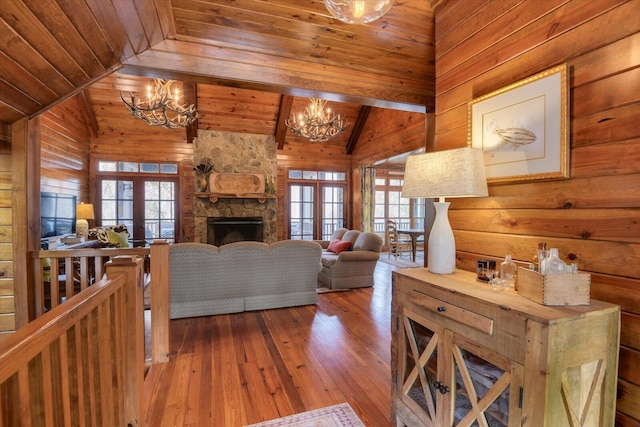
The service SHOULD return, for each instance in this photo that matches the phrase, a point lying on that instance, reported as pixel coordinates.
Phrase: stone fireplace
(236, 153)
(222, 231)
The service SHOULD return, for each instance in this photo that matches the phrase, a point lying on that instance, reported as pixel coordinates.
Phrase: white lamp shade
(451, 173)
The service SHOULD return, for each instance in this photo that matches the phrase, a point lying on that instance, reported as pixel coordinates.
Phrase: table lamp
(451, 173)
(84, 211)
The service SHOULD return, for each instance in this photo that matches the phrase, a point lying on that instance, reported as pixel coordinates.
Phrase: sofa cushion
(119, 240)
(328, 259)
(338, 233)
(368, 242)
(337, 246)
(351, 236)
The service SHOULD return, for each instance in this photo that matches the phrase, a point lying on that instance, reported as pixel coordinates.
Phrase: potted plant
(202, 174)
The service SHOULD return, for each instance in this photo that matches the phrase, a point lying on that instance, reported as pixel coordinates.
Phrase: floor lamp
(451, 173)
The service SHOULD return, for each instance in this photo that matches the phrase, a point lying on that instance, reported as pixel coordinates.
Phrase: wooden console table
(463, 354)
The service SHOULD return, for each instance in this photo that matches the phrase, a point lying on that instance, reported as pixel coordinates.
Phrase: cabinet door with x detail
(447, 380)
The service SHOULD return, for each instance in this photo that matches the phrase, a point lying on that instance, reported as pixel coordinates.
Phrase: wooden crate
(554, 289)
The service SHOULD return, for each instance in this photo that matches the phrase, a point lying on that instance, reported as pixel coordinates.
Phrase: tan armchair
(354, 267)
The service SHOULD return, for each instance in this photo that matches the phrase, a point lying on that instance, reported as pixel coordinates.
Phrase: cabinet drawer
(453, 312)
(495, 325)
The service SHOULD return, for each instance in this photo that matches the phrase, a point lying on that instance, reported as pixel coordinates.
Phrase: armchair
(351, 268)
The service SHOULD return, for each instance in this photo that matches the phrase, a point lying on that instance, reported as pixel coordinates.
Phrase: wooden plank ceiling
(251, 62)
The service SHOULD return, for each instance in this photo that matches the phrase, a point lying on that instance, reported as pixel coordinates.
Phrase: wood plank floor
(239, 369)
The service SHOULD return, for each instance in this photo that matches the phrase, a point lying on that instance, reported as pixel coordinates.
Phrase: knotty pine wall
(594, 216)
(64, 150)
(7, 308)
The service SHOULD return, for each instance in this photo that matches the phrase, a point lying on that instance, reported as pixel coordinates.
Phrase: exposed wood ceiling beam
(191, 97)
(86, 106)
(286, 101)
(357, 128)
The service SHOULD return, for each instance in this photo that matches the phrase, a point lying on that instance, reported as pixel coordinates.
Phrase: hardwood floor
(239, 369)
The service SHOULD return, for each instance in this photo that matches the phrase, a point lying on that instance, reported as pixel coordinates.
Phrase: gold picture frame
(523, 129)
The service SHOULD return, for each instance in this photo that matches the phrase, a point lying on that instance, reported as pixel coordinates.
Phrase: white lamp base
(442, 245)
(82, 228)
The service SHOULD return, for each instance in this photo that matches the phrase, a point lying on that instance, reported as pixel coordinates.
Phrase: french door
(147, 206)
(316, 210)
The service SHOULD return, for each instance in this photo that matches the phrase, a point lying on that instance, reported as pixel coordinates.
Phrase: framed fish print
(523, 128)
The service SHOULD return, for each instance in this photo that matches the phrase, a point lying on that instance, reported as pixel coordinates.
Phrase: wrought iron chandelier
(161, 107)
(358, 11)
(317, 123)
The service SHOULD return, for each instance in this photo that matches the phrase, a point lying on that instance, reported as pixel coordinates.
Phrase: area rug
(340, 415)
(404, 263)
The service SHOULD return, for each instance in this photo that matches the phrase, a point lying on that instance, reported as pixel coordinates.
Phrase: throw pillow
(118, 239)
(338, 246)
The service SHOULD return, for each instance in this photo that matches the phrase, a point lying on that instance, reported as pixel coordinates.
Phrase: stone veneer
(236, 153)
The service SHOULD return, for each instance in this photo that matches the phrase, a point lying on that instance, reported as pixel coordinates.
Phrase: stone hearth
(236, 153)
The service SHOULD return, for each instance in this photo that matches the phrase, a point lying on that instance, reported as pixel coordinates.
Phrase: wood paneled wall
(7, 309)
(64, 150)
(592, 217)
(388, 133)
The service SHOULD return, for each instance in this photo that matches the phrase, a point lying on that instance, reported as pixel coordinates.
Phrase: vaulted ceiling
(270, 53)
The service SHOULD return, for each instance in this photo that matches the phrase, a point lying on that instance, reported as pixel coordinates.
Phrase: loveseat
(349, 259)
(206, 280)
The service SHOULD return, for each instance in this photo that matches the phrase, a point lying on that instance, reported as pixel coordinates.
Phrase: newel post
(133, 322)
(159, 301)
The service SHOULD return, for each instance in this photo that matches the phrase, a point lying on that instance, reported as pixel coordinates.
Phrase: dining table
(413, 233)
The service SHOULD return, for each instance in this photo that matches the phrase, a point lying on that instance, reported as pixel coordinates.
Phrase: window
(317, 204)
(142, 196)
(390, 205)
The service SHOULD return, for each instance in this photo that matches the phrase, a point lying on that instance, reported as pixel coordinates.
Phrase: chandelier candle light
(317, 123)
(358, 11)
(161, 107)
(450, 173)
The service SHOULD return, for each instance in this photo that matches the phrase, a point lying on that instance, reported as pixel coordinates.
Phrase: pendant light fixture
(358, 11)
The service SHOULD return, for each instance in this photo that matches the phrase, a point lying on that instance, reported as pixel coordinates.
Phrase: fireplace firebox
(222, 231)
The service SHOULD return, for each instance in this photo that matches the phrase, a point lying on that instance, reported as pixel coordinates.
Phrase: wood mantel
(213, 197)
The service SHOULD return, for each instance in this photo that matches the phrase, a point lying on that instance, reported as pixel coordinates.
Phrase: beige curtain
(368, 198)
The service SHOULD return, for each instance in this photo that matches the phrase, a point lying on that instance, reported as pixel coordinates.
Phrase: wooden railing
(86, 266)
(82, 362)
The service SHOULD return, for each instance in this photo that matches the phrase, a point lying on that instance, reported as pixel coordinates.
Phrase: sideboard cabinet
(466, 355)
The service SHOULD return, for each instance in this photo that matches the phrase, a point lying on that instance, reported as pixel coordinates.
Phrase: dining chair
(396, 242)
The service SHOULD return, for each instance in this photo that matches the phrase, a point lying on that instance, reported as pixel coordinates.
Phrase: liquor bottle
(554, 265)
(541, 255)
(508, 272)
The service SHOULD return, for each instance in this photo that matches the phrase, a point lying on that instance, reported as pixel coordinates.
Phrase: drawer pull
(441, 308)
(443, 388)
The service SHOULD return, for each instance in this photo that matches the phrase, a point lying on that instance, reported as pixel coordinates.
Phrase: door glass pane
(117, 203)
(332, 210)
(301, 207)
(159, 210)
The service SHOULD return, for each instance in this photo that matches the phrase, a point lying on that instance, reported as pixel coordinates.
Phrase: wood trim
(286, 102)
(190, 90)
(357, 128)
(86, 108)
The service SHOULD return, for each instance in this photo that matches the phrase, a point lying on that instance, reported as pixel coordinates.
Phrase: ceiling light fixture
(317, 123)
(159, 108)
(358, 11)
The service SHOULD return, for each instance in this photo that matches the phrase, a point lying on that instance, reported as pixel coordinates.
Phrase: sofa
(349, 259)
(241, 276)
